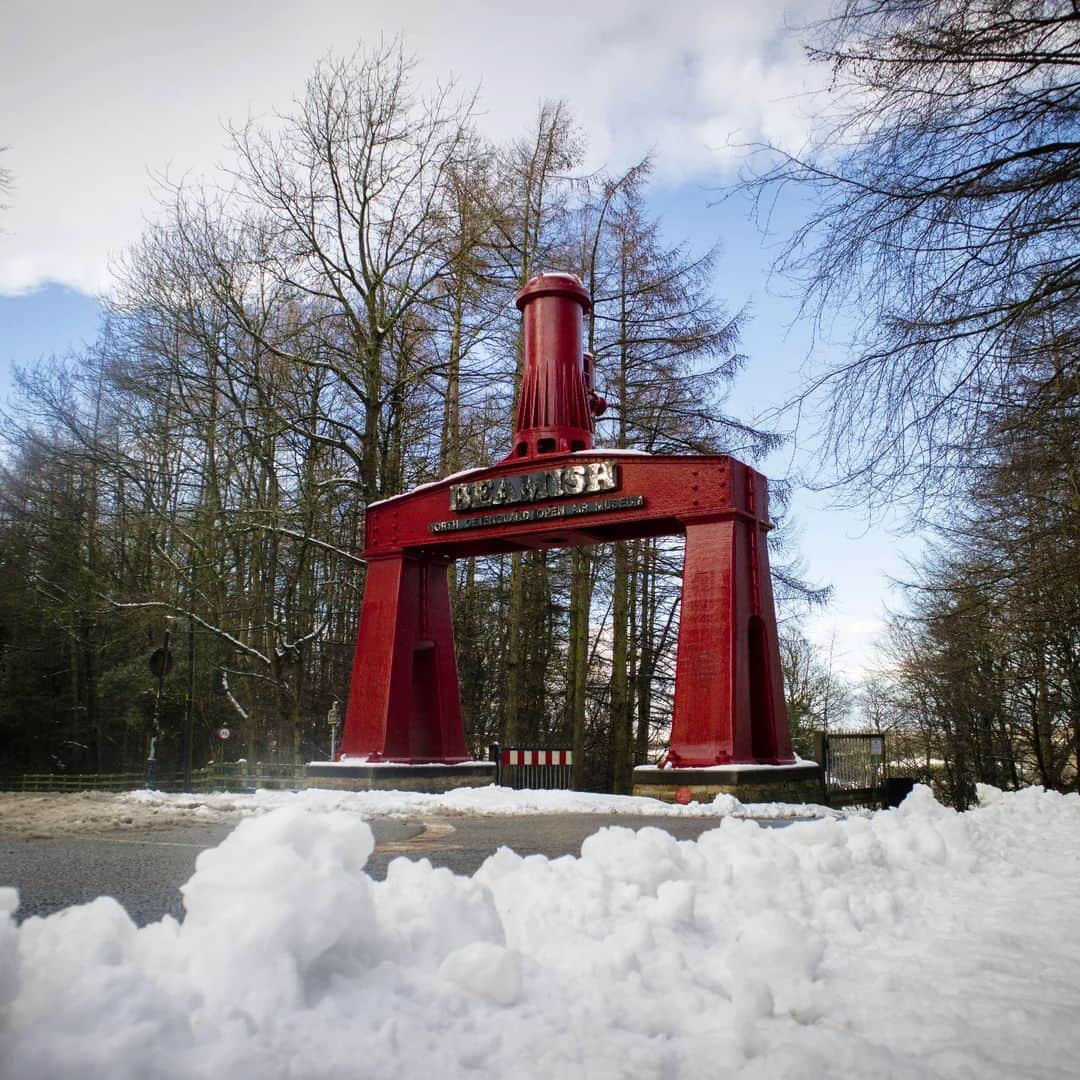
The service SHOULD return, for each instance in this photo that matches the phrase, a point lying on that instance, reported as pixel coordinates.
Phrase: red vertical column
(729, 699)
(705, 729)
(771, 738)
(404, 703)
(553, 411)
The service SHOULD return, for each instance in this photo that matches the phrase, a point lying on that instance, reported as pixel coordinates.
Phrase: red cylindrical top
(553, 414)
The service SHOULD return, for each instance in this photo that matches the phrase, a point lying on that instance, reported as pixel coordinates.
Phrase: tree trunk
(578, 660)
(621, 719)
(646, 662)
(513, 707)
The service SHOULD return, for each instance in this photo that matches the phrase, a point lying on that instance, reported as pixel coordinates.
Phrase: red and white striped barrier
(537, 757)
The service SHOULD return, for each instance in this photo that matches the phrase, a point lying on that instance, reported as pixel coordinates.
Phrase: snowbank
(909, 943)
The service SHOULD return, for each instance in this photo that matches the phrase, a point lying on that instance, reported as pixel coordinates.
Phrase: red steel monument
(556, 489)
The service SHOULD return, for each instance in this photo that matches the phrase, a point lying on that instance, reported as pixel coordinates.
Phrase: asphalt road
(144, 872)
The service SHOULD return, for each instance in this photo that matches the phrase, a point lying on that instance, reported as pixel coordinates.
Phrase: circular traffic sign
(223, 733)
(161, 662)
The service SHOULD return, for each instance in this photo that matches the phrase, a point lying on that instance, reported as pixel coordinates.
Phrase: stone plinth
(798, 783)
(389, 776)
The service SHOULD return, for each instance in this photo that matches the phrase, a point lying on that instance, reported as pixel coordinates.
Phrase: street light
(160, 663)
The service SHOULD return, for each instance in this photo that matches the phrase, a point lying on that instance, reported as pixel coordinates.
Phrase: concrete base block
(800, 783)
(377, 776)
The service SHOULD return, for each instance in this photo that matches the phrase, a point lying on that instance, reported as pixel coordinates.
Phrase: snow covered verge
(909, 943)
(88, 812)
(488, 800)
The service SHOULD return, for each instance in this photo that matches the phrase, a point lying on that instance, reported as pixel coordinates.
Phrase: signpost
(160, 665)
(333, 718)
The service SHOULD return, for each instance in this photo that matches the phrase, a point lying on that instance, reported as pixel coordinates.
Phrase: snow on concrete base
(908, 943)
(353, 762)
(724, 770)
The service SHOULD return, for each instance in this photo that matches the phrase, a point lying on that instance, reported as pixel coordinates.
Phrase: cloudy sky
(101, 98)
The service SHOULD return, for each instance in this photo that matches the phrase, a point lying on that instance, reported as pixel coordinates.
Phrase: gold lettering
(590, 478)
(573, 480)
(531, 489)
(603, 476)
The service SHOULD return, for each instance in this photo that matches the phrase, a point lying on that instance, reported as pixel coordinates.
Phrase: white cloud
(848, 643)
(108, 94)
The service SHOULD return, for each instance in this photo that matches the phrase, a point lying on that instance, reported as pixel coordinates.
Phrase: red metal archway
(555, 489)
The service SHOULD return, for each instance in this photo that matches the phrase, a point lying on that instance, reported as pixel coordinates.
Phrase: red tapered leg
(447, 696)
(771, 739)
(703, 729)
(404, 703)
(729, 705)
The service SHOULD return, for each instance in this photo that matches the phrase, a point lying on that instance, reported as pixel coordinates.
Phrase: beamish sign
(531, 487)
(539, 513)
(555, 490)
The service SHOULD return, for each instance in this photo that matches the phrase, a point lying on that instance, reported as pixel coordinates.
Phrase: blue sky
(49, 320)
(138, 92)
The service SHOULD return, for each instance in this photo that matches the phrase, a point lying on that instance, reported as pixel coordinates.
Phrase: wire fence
(233, 776)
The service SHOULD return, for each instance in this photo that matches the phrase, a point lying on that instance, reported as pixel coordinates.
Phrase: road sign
(161, 662)
(224, 733)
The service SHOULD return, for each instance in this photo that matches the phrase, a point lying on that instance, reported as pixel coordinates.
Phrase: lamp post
(189, 730)
(160, 662)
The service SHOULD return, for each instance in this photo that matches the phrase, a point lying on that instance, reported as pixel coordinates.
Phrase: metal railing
(245, 776)
(531, 767)
(853, 764)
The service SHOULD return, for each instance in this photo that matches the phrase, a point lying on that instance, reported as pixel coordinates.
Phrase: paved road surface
(144, 871)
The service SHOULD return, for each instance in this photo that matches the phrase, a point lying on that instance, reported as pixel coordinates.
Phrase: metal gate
(532, 767)
(854, 767)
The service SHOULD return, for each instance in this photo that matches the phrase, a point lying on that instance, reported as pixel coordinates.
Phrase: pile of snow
(908, 943)
(466, 801)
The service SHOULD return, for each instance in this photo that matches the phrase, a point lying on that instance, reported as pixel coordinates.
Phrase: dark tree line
(983, 683)
(328, 325)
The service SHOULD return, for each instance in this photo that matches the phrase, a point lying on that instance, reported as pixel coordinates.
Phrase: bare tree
(356, 186)
(946, 221)
(816, 697)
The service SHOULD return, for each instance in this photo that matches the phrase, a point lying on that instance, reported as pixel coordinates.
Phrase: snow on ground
(489, 800)
(42, 815)
(916, 942)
